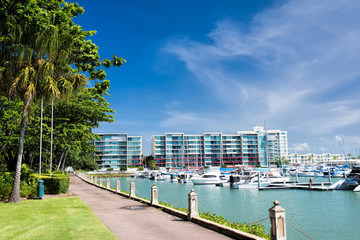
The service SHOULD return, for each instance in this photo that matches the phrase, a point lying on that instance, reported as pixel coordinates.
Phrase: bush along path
(58, 183)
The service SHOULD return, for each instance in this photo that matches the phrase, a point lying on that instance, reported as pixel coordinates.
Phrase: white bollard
(108, 183)
(154, 195)
(278, 223)
(132, 189)
(193, 205)
(118, 185)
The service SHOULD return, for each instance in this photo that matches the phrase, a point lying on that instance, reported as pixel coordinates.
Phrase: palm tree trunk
(61, 158)
(31, 157)
(15, 192)
(63, 165)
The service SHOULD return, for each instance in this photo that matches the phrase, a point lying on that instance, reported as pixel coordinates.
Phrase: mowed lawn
(53, 218)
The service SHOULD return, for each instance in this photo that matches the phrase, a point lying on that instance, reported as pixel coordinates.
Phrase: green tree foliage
(150, 163)
(73, 121)
(43, 54)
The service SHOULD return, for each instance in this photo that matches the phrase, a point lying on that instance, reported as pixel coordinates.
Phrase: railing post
(118, 185)
(91, 179)
(101, 184)
(107, 183)
(95, 181)
(132, 189)
(278, 223)
(258, 177)
(193, 205)
(154, 195)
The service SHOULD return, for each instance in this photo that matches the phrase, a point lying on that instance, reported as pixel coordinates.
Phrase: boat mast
(342, 146)
(266, 145)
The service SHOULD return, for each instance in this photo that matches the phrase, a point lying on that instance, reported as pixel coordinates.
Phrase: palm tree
(39, 67)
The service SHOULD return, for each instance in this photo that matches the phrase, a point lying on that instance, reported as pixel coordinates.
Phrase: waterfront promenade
(129, 219)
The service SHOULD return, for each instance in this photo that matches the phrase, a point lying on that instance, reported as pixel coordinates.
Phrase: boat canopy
(228, 169)
(262, 169)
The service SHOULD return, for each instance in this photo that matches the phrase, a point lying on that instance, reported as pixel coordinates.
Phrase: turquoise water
(321, 215)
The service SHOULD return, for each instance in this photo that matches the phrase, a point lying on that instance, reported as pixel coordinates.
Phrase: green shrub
(59, 172)
(109, 169)
(56, 184)
(6, 180)
(28, 190)
(28, 184)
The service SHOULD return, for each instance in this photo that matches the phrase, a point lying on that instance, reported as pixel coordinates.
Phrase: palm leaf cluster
(43, 54)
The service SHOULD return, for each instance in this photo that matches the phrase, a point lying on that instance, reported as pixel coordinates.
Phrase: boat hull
(206, 182)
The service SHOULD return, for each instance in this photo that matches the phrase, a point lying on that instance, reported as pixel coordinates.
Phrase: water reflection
(321, 215)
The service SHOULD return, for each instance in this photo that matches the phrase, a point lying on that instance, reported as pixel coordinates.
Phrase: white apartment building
(118, 150)
(252, 148)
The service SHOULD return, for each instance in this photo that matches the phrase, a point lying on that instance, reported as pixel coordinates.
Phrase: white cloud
(177, 119)
(299, 147)
(297, 66)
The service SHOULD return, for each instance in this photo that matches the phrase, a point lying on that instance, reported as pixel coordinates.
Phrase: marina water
(321, 215)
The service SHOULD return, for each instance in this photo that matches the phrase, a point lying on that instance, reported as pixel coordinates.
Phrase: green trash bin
(40, 189)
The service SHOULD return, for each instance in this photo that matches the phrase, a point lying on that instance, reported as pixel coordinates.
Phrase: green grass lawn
(53, 218)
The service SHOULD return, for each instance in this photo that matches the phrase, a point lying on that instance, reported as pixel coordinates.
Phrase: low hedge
(55, 185)
(58, 183)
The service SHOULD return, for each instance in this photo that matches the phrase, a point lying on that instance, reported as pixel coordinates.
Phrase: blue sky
(210, 66)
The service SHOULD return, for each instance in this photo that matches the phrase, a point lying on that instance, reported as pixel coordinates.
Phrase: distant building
(251, 148)
(296, 158)
(118, 150)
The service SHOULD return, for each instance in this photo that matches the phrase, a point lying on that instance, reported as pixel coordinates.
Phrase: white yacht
(184, 177)
(352, 182)
(209, 178)
(253, 181)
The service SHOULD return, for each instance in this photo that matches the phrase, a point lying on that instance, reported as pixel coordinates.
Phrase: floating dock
(323, 186)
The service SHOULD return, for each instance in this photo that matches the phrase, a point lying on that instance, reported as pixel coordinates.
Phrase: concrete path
(144, 223)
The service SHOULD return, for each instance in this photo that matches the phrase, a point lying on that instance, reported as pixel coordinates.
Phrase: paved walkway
(145, 223)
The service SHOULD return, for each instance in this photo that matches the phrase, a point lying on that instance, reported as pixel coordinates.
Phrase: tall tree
(44, 54)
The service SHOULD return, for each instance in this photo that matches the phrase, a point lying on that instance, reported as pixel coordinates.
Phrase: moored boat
(209, 178)
(352, 182)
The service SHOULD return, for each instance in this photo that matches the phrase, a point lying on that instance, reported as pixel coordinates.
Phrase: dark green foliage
(59, 172)
(6, 180)
(56, 184)
(28, 184)
(28, 190)
(123, 169)
(149, 162)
